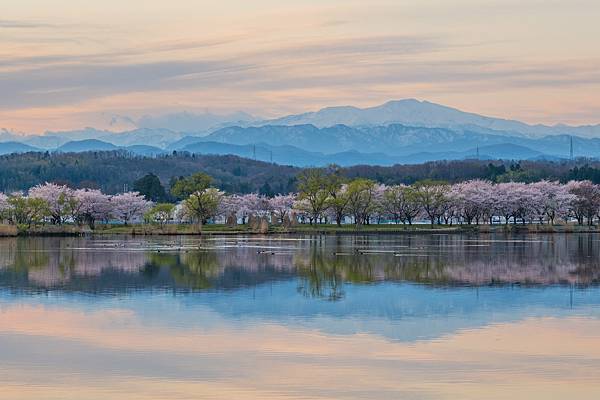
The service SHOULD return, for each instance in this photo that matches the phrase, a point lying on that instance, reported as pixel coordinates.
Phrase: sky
(68, 64)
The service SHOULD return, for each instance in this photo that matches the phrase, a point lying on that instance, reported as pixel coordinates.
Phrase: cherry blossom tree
(180, 214)
(554, 200)
(263, 206)
(247, 205)
(60, 200)
(4, 206)
(303, 209)
(129, 206)
(161, 213)
(325, 196)
(520, 201)
(472, 199)
(92, 206)
(378, 212)
(587, 200)
(228, 206)
(448, 208)
(503, 206)
(281, 205)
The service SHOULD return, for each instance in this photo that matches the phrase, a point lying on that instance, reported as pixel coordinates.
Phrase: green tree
(313, 188)
(201, 200)
(150, 187)
(432, 196)
(361, 199)
(337, 202)
(27, 210)
(160, 213)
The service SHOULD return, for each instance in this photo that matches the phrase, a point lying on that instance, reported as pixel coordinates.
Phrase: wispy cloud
(41, 79)
(22, 24)
(350, 63)
(116, 56)
(267, 56)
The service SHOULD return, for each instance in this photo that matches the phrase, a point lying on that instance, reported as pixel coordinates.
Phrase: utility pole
(571, 148)
(478, 152)
(254, 151)
(271, 156)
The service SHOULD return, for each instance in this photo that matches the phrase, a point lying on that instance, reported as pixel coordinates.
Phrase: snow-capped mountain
(397, 131)
(417, 113)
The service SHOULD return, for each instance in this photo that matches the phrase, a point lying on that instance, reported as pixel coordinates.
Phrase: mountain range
(417, 113)
(406, 131)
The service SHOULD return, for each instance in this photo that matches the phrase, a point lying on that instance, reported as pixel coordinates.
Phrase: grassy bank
(184, 229)
(8, 230)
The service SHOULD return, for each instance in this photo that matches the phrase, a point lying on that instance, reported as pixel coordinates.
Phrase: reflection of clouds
(535, 358)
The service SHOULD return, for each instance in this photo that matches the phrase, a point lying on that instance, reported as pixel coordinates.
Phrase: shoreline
(222, 230)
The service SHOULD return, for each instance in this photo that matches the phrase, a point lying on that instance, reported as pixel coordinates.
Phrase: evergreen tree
(150, 187)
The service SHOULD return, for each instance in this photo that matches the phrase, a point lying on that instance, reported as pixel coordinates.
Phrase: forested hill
(112, 171)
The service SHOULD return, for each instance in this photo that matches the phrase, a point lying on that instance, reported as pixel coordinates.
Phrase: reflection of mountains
(323, 264)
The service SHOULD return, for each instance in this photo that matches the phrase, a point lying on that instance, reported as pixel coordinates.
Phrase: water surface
(301, 317)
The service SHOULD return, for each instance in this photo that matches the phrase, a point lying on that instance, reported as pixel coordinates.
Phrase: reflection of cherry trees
(324, 275)
(449, 260)
(49, 262)
(322, 265)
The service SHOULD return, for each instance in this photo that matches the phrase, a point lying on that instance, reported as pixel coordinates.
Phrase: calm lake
(301, 317)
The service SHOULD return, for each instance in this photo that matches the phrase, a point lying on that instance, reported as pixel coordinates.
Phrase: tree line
(327, 196)
(116, 171)
(323, 196)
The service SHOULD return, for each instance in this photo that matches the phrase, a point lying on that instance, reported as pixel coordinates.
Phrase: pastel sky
(67, 64)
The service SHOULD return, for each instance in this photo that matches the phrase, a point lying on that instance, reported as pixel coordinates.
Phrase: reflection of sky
(404, 312)
(258, 333)
(270, 342)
